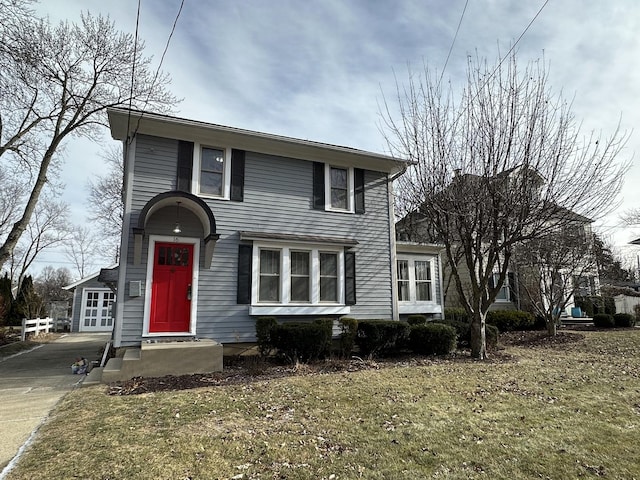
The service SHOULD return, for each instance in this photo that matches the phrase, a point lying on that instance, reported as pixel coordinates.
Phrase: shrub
(416, 320)
(603, 320)
(264, 328)
(381, 337)
(349, 330)
(326, 323)
(298, 341)
(509, 320)
(492, 334)
(624, 320)
(456, 315)
(432, 339)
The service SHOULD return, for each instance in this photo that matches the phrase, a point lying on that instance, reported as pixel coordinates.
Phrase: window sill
(299, 310)
(338, 210)
(419, 307)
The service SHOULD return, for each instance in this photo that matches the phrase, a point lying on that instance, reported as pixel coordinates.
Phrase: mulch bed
(243, 370)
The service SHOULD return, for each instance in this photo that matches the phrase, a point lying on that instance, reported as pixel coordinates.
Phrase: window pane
(338, 178)
(328, 289)
(339, 188)
(299, 276)
(299, 263)
(328, 277)
(212, 160)
(403, 270)
(269, 290)
(423, 291)
(339, 199)
(211, 183)
(329, 264)
(270, 262)
(423, 272)
(403, 290)
(300, 289)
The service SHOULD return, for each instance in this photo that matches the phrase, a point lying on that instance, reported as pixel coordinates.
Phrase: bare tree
(58, 81)
(48, 228)
(106, 203)
(492, 171)
(81, 249)
(553, 267)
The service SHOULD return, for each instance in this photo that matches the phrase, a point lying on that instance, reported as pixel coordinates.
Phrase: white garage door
(96, 310)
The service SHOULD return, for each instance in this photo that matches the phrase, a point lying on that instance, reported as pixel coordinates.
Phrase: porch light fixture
(176, 228)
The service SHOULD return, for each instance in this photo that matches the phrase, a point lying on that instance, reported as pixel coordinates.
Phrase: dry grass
(564, 412)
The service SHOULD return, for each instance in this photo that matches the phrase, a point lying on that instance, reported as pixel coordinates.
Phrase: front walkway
(32, 383)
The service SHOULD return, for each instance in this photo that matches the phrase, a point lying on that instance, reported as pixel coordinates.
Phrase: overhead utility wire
(506, 55)
(155, 77)
(453, 42)
(133, 73)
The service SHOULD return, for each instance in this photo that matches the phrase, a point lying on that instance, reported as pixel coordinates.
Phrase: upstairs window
(212, 171)
(339, 188)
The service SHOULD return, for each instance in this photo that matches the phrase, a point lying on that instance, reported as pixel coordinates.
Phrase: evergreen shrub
(603, 320)
(298, 341)
(381, 337)
(349, 330)
(416, 320)
(264, 329)
(432, 339)
(624, 320)
(510, 320)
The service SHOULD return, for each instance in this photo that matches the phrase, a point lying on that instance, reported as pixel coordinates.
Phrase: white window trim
(412, 305)
(286, 306)
(153, 239)
(226, 171)
(351, 203)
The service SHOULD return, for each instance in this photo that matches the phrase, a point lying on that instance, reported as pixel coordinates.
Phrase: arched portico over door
(173, 223)
(187, 201)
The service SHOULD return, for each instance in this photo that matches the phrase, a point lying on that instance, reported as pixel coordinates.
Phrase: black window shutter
(349, 278)
(513, 288)
(185, 166)
(245, 253)
(318, 185)
(237, 175)
(358, 180)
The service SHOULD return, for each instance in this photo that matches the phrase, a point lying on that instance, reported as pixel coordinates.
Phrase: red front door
(171, 288)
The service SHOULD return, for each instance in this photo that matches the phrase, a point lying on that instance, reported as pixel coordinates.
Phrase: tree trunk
(478, 338)
(552, 326)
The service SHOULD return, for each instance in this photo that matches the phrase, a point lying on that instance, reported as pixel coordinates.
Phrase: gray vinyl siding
(278, 195)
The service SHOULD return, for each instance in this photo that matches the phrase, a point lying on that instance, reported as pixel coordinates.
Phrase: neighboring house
(567, 256)
(224, 225)
(92, 305)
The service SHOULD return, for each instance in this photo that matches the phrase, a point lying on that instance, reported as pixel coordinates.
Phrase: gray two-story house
(223, 225)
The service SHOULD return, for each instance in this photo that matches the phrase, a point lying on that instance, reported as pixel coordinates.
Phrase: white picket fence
(36, 325)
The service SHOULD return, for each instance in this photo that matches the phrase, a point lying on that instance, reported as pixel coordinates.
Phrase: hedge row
(619, 320)
(307, 341)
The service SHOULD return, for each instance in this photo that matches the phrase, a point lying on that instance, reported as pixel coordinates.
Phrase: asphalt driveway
(32, 383)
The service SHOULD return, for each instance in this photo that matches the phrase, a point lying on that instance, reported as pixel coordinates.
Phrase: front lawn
(557, 411)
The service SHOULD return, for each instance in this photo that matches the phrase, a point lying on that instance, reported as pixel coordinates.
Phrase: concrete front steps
(162, 358)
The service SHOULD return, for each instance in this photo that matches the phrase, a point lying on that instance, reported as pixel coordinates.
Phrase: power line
(155, 77)
(453, 42)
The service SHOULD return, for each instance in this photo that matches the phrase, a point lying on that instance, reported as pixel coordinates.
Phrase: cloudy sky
(319, 69)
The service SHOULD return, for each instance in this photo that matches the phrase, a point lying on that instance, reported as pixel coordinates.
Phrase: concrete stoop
(165, 358)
